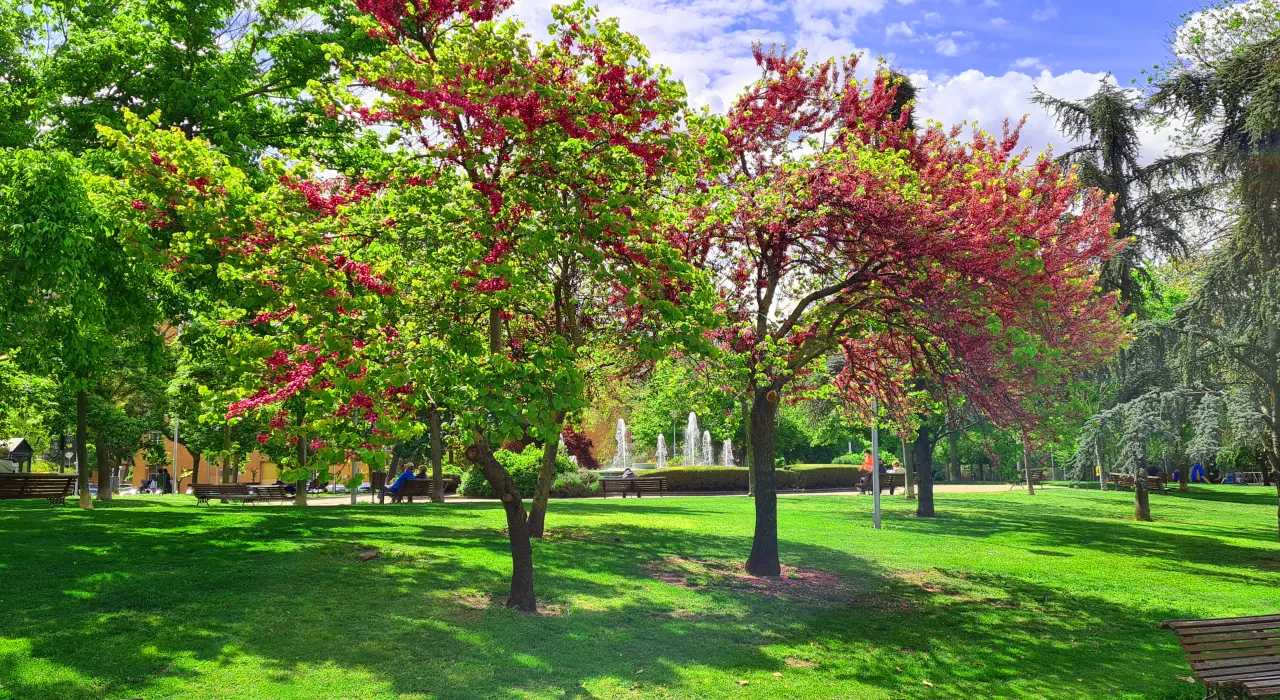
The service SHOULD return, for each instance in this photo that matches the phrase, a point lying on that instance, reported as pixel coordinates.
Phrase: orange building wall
(257, 469)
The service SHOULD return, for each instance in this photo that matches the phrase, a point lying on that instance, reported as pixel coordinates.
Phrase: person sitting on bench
(628, 474)
(404, 476)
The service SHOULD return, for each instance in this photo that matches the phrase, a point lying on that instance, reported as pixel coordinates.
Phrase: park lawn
(1003, 595)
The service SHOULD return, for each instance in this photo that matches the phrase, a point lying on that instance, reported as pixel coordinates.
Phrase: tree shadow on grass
(1250, 495)
(121, 604)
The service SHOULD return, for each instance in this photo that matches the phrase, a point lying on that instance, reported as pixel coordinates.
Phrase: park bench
(1158, 483)
(888, 482)
(408, 490)
(53, 487)
(639, 485)
(1238, 655)
(273, 492)
(230, 492)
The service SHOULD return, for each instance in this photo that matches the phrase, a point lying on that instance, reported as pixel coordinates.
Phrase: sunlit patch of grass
(1003, 595)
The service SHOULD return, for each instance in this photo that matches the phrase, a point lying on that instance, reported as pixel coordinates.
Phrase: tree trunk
(1026, 467)
(437, 462)
(522, 596)
(748, 459)
(1141, 498)
(104, 466)
(953, 457)
(923, 459)
(300, 489)
(546, 476)
(195, 468)
(764, 545)
(82, 449)
(908, 466)
(1184, 477)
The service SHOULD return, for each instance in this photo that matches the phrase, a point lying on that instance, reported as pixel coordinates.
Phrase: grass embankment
(1003, 595)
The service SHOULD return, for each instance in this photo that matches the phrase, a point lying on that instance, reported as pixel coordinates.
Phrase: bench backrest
(639, 483)
(15, 486)
(415, 487)
(894, 480)
(272, 492)
(219, 490)
(1036, 475)
(1227, 647)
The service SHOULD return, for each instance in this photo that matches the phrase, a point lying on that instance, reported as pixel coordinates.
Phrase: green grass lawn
(1003, 595)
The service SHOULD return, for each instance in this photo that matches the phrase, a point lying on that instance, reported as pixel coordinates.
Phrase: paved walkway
(345, 499)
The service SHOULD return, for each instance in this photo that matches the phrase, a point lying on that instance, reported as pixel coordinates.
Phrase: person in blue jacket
(394, 487)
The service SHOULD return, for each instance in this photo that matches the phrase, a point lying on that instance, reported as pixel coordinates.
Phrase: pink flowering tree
(840, 228)
(546, 259)
(302, 299)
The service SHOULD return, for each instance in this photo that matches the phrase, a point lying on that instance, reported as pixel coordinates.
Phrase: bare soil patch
(699, 574)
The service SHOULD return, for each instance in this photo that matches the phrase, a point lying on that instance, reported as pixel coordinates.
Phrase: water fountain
(660, 454)
(726, 454)
(708, 452)
(691, 440)
(622, 458)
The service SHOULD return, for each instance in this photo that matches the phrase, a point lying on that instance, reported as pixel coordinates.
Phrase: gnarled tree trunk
(923, 462)
(546, 477)
(521, 597)
(764, 545)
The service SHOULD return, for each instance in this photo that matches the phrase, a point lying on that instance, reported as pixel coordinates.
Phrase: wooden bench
(1240, 655)
(272, 492)
(889, 482)
(1158, 483)
(230, 492)
(408, 490)
(639, 485)
(53, 487)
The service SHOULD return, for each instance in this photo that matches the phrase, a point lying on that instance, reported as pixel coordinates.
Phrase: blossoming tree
(841, 228)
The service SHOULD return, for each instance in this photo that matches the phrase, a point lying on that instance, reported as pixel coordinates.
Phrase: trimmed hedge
(701, 478)
(795, 478)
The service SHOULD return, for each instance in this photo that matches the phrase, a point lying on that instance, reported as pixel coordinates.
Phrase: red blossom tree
(840, 228)
(553, 155)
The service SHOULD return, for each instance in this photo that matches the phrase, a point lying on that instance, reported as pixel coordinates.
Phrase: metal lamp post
(875, 461)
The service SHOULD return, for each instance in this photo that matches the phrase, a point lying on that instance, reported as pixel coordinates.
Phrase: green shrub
(576, 484)
(703, 478)
(793, 478)
(825, 476)
(523, 467)
(848, 458)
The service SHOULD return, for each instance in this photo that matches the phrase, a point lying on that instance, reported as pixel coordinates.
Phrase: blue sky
(972, 60)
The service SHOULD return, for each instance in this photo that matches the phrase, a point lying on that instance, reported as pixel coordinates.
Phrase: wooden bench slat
(1235, 667)
(1212, 641)
(1219, 621)
(1246, 642)
(1254, 652)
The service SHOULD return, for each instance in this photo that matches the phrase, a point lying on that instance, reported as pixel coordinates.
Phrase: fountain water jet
(726, 454)
(622, 458)
(708, 452)
(691, 438)
(660, 454)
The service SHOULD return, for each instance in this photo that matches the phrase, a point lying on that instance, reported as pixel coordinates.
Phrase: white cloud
(1046, 13)
(707, 45)
(898, 30)
(999, 22)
